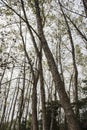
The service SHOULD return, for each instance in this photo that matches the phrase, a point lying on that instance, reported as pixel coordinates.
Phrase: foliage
(16, 77)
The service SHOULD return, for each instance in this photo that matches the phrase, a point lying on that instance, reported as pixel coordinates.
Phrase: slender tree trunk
(34, 107)
(60, 61)
(52, 120)
(72, 122)
(85, 6)
(21, 106)
(77, 29)
(34, 78)
(13, 111)
(5, 102)
(42, 93)
(12, 104)
(74, 65)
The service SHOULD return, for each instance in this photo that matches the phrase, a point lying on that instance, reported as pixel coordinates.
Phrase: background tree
(36, 83)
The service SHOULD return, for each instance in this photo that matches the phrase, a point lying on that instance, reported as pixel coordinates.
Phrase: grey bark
(74, 65)
(42, 93)
(85, 6)
(72, 122)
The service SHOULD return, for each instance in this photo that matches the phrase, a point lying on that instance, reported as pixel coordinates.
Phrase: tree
(73, 125)
(38, 30)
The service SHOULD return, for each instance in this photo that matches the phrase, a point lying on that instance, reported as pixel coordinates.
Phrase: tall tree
(72, 122)
(74, 63)
(44, 120)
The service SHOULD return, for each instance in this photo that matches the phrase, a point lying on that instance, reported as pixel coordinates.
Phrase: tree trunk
(74, 65)
(42, 93)
(52, 120)
(34, 107)
(85, 6)
(13, 111)
(71, 119)
(5, 102)
(34, 76)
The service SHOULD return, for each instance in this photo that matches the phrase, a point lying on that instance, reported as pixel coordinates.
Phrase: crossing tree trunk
(71, 119)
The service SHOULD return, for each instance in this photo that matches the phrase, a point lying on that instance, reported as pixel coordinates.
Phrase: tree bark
(85, 6)
(74, 64)
(72, 122)
(34, 76)
(42, 93)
